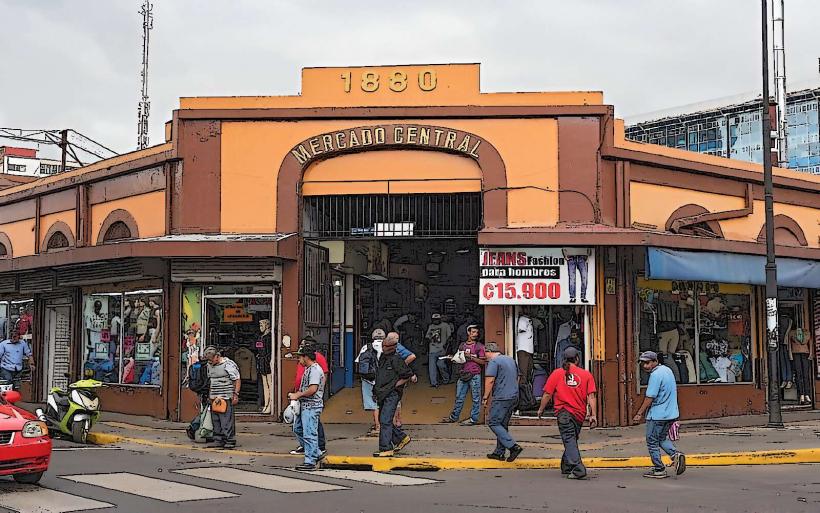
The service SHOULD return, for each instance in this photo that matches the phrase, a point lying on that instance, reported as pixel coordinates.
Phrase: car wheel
(79, 431)
(30, 479)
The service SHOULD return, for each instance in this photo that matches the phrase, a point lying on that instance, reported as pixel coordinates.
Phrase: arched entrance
(389, 217)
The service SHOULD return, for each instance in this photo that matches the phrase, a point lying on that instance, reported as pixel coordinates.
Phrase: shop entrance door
(57, 332)
(241, 326)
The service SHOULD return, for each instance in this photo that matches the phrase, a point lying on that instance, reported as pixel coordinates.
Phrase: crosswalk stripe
(370, 477)
(32, 499)
(259, 480)
(160, 489)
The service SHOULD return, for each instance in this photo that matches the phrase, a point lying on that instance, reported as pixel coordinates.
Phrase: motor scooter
(72, 413)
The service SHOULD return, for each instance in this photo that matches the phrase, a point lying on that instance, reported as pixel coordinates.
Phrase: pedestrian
(310, 394)
(438, 334)
(409, 358)
(12, 353)
(225, 383)
(368, 359)
(501, 381)
(469, 378)
(572, 390)
(297, 383)
(391, 376)
(662, 402)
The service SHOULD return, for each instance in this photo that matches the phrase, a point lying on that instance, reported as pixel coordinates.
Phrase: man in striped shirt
(225, 383)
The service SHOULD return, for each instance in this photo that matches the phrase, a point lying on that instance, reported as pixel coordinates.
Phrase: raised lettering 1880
(397, 80)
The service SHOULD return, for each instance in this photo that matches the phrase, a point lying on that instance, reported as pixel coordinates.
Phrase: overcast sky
(75, 63)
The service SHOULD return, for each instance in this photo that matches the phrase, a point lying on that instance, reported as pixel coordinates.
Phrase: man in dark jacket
(391, 377)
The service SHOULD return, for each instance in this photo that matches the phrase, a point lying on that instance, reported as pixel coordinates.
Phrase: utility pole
(63, 149)
(144, 105)
(779, 51)
(775, 416)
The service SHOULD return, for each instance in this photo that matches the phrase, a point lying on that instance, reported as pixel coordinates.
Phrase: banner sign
(536, 276)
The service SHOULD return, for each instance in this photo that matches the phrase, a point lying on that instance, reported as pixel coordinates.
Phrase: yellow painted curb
(699, 460)
(781, 457)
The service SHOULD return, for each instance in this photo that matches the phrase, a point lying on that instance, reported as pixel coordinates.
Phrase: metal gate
(316, 296)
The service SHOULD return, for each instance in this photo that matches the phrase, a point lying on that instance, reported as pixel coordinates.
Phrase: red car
(25, 447)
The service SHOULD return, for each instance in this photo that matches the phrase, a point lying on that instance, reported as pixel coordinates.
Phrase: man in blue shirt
(12, 353)
(502, 381)
(662, 402)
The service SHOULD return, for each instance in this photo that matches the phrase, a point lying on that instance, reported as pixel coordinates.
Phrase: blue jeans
(436, 366)
(461, 394)
(657, 438)
(578, 262)
(499, 423)
(389, 434)
(306, 429)
(12, 377)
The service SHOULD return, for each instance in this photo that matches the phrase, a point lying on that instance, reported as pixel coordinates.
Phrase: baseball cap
(472, 326)
(648, 356)
(491, 347)
(436, 316)
(570, 353)
(378, 334)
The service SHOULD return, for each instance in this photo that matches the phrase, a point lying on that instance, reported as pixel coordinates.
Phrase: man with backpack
(199, 384)
(391, 376)
(366, 365)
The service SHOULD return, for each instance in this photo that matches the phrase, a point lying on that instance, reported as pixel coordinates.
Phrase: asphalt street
(135, 479)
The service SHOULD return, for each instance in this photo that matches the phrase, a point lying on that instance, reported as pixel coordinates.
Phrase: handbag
(219, 405)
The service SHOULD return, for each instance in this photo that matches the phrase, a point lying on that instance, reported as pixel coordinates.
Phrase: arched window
(57, 241)
(117, 231)
(3, 250)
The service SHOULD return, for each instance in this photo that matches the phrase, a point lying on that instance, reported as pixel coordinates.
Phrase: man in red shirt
(300, 371)
(572, 389)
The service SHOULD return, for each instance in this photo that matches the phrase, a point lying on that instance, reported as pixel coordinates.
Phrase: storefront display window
(122, 334)
(542, 333)
(192, 347)
(702, 331)
(18, 314)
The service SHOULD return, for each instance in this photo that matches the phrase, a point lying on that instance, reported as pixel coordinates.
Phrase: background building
(734, 130)
(26, 162)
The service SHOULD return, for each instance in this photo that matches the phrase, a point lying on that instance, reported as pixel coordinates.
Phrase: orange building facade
(387, 194)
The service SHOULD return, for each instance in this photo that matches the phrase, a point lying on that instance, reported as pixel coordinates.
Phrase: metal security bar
(392, 215)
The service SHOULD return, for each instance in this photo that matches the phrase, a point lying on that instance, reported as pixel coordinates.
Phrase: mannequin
(263, 356)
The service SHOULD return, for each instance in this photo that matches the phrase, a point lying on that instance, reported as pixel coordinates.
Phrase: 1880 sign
(387, 136)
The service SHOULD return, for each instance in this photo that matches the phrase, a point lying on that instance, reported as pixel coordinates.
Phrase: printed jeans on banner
(499, 423)
(436, 367)
(389, 434)
(570, 429)
(578, 262)
(657, 438)
(306, 429)
(461, 394)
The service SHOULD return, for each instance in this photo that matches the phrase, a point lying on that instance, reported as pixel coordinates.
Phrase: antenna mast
(144, 105)
(779, 50)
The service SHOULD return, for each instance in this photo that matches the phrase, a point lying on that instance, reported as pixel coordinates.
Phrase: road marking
(160, 489)
(33, 499)
(370, 477)
(259, 480)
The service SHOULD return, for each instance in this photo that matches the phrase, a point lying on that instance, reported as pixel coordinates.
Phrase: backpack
(198, 381)
(526, 400)
(368, 363)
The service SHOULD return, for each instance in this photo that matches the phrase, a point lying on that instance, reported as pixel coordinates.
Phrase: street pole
(775, 416)
(64, 147)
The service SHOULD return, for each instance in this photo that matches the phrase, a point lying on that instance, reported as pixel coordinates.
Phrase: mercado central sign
(387, 136)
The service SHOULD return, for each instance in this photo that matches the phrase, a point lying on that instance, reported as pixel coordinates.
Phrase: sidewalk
(726, 441)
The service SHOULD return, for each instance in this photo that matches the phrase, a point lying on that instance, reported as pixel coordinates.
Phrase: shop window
(542, 333)
(702, 331)
(122, 334)
(18, 315)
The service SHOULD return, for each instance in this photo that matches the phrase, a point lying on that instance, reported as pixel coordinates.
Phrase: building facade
(734, 131)
(25, 162)
(381, 196)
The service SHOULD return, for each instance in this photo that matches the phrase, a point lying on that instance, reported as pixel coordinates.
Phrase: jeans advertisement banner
(536, 276)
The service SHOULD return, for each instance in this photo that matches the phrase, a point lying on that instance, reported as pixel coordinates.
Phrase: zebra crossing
(197, 485)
